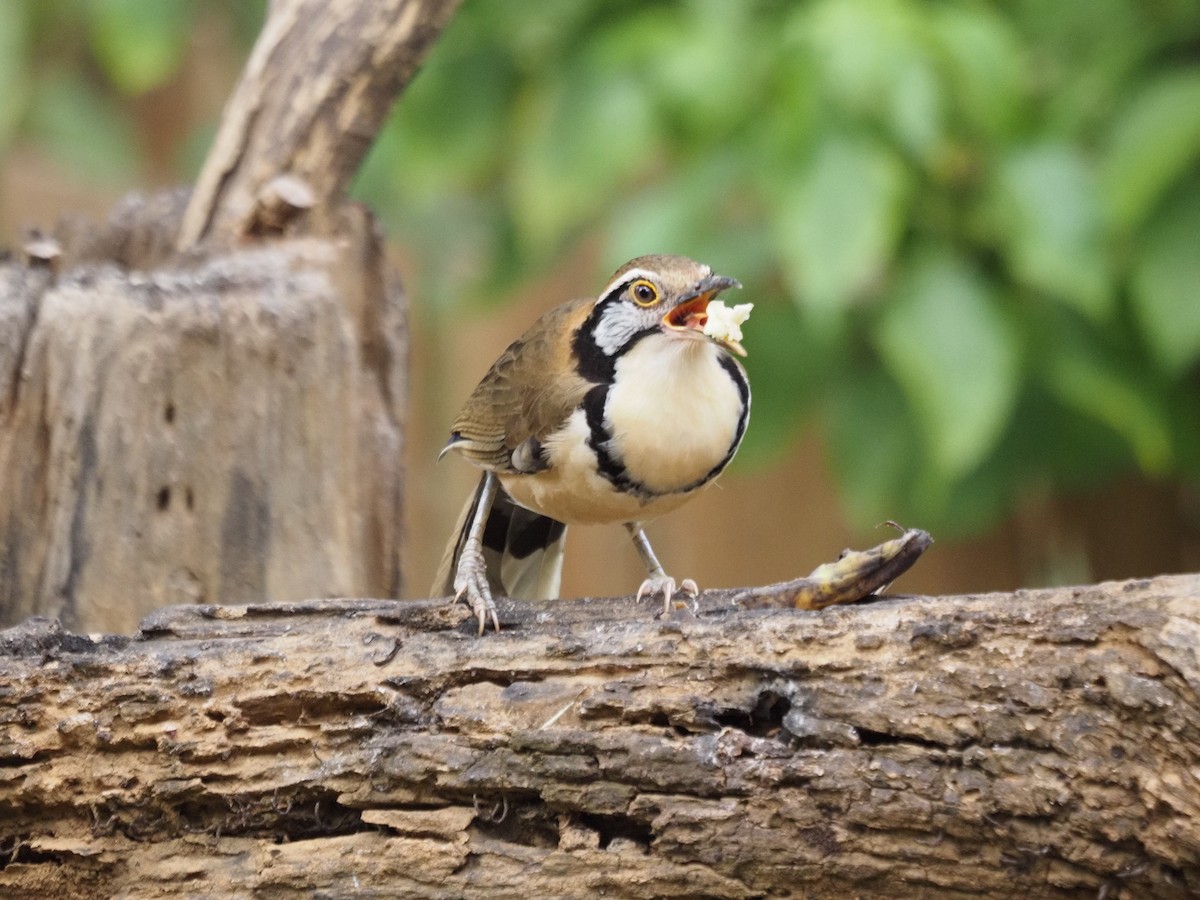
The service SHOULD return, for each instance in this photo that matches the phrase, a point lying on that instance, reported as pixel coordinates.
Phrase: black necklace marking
(593, 364)
(738, 374)
(607, 465)
(613, 470)
(739, 378)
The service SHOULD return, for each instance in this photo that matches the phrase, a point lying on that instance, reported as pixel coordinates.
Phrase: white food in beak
(724, 323)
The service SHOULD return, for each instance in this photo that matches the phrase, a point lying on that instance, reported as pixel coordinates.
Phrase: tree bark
(1044, 743)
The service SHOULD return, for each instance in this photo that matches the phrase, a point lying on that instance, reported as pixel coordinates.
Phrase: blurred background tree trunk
(203, 399)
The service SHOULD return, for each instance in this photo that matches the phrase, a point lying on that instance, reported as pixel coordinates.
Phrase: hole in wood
(530, 824)
(16, 850)
(169, 412)
(164, 498)
(189, 498)
(765, 719)
(287, 816)
(308, 707)
(612, 827)
(871, 738)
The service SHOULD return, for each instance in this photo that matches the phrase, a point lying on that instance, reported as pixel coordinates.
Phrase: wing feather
(528, 393)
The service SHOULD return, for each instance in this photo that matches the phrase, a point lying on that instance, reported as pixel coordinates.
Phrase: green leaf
(1111, 390)
(430, 152)
(1155, 141)
(1184, 412)
(967, 505)
(84, 130)
(916, 108)
(875, 448)
(1048, 209)
(694, 210)
(837, 223)
(876, 63)
(705, 64)
(1165, 287)
(952, 349)
(787, 370)
(884, 474)
(579, 138)
(1084, 56)
(983, 55)
(139, 44)
(680, 214)
(14, 45)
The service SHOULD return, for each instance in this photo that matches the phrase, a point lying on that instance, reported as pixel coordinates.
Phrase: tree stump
(202, 401)
(199, 432)
(1044, 743)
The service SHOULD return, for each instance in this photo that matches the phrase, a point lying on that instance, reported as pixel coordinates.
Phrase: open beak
(691, 313)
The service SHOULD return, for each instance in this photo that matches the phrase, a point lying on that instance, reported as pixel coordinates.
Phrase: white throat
(673, 411)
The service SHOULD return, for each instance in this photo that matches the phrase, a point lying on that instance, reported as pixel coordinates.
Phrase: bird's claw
(471, 584)
(483, 607)
(665, 585)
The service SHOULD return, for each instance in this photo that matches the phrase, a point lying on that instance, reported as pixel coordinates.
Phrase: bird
(612, 409)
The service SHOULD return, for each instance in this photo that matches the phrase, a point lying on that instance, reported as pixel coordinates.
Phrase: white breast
(673, 411)
(572, 491)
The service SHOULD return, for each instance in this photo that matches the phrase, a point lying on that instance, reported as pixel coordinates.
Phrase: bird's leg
(470, 575)
(658, 582)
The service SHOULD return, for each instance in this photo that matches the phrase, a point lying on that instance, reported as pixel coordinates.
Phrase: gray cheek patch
(618, 324)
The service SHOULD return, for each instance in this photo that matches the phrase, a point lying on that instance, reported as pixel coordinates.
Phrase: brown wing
(529, 392)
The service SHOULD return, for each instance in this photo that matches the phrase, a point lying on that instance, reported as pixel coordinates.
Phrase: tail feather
(523, 550)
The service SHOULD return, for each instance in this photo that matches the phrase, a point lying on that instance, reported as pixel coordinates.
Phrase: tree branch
(1040, 743)
(311, 99)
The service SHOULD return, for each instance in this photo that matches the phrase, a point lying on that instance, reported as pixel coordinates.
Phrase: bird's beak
(691, 312)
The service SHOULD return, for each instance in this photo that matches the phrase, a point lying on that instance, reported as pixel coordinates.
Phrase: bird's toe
(471, 584)
(667, 586)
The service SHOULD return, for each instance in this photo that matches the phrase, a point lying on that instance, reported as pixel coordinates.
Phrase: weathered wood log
(1044, 743)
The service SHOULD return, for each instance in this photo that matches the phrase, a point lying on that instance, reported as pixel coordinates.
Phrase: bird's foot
(665, 585)
(471, 584)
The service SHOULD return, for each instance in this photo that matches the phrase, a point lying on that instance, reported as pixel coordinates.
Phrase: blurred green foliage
(70, 67)
(972, 230)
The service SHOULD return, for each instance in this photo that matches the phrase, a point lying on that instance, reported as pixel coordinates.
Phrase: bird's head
(657, 294)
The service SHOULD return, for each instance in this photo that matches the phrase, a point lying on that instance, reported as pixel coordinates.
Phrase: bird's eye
(644, 293)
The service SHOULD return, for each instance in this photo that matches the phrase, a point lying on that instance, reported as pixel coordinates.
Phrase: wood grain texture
(214, 429)
(312, 98)
(1044, 743)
